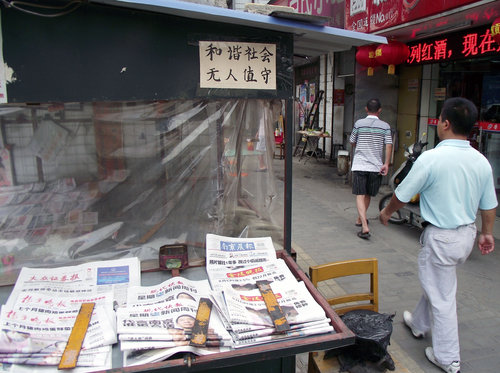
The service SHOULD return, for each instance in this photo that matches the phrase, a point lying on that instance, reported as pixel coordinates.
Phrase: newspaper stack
(234, 265)
(38, 317)
(158, 320)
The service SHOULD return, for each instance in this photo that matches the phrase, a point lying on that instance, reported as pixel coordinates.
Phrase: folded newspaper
(40, 312)
(166, 325)
(234, 265)
(297, 304)
(222, 251)
(245, 278)
(174, 288)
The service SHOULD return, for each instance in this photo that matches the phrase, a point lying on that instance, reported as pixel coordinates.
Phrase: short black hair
(373, 105)
(461, 113)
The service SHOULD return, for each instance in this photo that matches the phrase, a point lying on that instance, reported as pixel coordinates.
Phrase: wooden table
(311, 138)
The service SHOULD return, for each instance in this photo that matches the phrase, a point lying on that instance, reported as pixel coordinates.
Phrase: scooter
(410, 213)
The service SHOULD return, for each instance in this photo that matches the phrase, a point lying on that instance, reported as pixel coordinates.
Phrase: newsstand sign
(236, 65)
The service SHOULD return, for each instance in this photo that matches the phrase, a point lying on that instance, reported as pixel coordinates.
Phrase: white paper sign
(357, 6)
(237, 65)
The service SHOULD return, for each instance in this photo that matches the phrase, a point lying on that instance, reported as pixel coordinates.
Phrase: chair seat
(279, 144)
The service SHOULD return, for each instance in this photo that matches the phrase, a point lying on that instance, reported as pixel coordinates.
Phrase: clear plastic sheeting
(93, 181)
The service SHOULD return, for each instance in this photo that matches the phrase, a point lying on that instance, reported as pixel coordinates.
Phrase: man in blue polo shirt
(453, 180)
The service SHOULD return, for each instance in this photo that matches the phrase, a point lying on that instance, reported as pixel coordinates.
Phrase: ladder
(314, 112)
(312, 118)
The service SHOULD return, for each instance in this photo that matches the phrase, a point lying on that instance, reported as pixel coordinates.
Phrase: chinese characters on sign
(357, 6)
(485, 126)
(490, 126)
(370, 16)
(237, 65)
(464, 45)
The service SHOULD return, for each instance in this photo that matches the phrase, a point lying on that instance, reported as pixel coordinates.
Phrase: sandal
(360, 225)
(364, 235)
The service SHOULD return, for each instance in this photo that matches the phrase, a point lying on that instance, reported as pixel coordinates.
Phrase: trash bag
(373, 333)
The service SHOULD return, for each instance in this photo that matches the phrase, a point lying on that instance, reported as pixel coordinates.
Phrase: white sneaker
(408, 319)
(450, 368)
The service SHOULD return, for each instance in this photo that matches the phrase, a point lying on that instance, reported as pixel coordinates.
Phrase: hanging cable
(24, 6)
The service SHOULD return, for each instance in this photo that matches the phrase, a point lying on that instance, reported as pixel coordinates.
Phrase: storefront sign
(338, 97)
(489, 126)
(325, 8)
(485, 126)
(413, 85)
(440, 94)
(465, 44)
(237, 65)
(373, 15)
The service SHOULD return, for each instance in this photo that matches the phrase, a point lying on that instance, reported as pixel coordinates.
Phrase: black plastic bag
(373, 333)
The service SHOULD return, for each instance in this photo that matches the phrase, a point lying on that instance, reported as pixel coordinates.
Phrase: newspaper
(53, 323)
(174, 318)
(99, 277)
(234, 265)
(268, 331)
(172, 321)
(222, 251)
(37, 319)
(25, 368)
(149, 345)
(88, 358)
(245, 278)
(175, 288)
(292, 334)
(138, 357)
(248, 307)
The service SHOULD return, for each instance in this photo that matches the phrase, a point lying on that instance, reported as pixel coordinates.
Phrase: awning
(310, 39)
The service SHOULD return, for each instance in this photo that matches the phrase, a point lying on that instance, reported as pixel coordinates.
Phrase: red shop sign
(489, 126)
(371, 16)
(466, 44)
(485, 126)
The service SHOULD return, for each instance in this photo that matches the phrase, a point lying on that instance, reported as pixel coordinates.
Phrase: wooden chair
(279, 145)
(367, 300)
(334, 270)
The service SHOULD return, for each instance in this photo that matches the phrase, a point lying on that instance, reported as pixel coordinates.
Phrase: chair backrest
(334, 270)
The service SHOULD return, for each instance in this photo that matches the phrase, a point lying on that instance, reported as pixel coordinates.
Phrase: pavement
(323, 230)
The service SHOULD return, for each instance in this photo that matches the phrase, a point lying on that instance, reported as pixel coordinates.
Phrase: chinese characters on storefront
(333, 9)
(484, 125)
(237, 65)
(468, 44)
(373, 15)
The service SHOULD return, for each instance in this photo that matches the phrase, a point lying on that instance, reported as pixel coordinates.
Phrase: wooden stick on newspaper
(279, 320)
(200, 328)
(72, 350)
